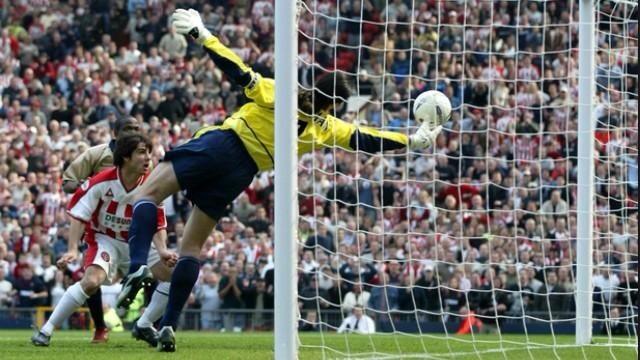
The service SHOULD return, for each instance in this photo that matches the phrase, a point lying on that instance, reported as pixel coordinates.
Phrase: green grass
(71, 345)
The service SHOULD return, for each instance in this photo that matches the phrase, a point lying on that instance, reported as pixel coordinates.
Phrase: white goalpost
(584, 301)
(286, 160)
(515, 235)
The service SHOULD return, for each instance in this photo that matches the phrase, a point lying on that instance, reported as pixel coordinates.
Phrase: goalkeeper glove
(424, 137)
(188, 22)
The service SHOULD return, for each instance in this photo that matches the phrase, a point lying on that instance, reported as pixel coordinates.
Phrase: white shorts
(113, 256)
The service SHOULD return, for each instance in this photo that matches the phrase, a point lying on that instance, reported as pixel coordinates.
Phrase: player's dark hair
(329, 89)
(126, 144)
(121, 123)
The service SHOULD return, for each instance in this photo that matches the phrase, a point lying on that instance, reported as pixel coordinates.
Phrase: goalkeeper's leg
(198, 227)
(161, 184)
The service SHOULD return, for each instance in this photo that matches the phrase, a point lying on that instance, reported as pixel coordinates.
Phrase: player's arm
(229, 62)
(160, 240)
(336, 132)
(372, 140)
(188, 22)
(257, 88)
(69, 186)
(79, 170)
(169, 258)
(76, 230)
(80, 209)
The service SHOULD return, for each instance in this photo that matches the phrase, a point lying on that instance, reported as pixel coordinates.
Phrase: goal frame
(586, 172)
(286, 204)
(286, 181)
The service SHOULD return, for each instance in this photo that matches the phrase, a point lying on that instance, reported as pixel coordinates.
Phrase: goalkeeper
(221, 161)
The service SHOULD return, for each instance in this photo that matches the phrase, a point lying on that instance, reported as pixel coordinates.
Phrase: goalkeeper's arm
(188, 22)
(336, 132)
(229, 62)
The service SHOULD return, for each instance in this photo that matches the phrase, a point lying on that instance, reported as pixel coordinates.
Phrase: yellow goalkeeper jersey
(254, 121)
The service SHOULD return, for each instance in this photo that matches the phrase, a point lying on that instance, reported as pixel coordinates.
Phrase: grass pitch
(71, 345)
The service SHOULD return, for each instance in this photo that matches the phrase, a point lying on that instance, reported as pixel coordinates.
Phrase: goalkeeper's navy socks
(183, 279)
(144, 223)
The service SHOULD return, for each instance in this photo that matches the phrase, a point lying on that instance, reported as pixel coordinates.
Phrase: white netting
(616, 184)
(475, 235)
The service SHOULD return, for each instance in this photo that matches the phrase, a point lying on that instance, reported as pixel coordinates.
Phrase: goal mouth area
(491, 210)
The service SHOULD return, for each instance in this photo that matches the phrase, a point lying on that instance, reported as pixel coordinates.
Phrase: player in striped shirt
(99, 210)
(89, 163)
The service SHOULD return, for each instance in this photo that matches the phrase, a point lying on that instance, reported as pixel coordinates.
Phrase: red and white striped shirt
(100, 202)
(526, 148)
(529, 73)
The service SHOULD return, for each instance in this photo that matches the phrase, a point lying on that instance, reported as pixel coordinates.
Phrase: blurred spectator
(260, 223)
(605, 284)
(103, 111)
(358, 322)
(453, 298)
(557, 299)
(249, 286)
(615, 325)
(6, 290)
(31, 290)
(354, 271)
(171, 108)
(207, 295)
(522, 295)
(230, 293)
(356, 297)
(58, 287)
(311, 296)
(310, 322)
(554, 206)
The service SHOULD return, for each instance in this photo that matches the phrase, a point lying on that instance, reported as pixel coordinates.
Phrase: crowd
(484, 222)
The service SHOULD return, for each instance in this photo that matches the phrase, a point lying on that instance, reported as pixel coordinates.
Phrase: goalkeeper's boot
(132, 284)
(167, 340)
(40, 339)
(148, 334)
(100, 336)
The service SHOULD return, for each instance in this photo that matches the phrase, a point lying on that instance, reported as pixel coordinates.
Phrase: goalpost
(584, 302)
(286, 204)
(545, 117)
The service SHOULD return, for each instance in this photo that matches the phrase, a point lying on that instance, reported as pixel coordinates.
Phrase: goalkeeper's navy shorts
(213, 169)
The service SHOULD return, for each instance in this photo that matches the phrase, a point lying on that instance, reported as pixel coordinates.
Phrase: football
(432, 107)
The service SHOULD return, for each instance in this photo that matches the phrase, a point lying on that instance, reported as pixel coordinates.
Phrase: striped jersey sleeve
(85, 200)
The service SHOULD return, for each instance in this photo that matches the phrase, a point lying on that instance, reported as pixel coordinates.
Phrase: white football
(432, 107)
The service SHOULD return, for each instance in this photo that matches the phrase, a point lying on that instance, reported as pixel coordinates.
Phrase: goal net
(467, 248)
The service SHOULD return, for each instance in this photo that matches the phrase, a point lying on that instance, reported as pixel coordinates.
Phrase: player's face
(131, 126)
(139, 161)
(333, 108)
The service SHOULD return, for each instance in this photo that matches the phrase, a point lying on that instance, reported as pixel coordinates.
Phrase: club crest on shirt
(105, 256)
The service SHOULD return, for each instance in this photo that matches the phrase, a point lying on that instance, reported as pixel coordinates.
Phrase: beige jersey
(92, 161)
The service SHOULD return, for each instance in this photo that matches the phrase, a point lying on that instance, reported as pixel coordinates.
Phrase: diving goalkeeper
(221, 161)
